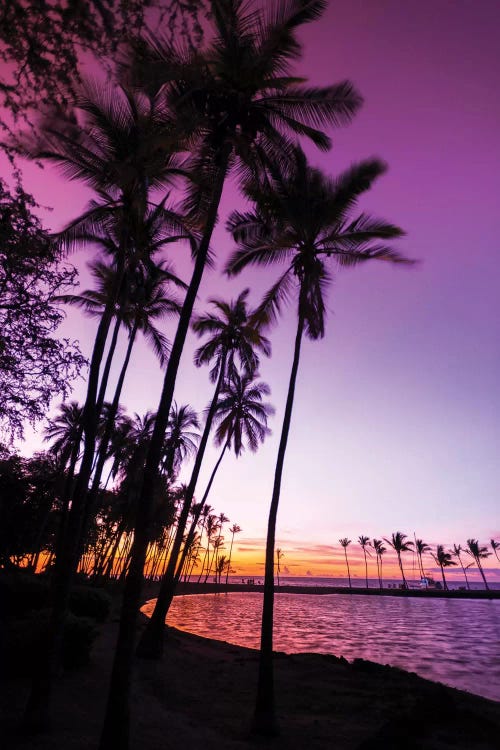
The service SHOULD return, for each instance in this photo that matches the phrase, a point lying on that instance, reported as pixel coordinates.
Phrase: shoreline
(213, 588)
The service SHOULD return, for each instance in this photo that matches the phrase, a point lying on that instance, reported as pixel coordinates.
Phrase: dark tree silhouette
(443, 559)
(399, 545)
(478, 553)
(345, 542)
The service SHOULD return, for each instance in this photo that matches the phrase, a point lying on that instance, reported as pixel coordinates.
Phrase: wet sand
(200, 697)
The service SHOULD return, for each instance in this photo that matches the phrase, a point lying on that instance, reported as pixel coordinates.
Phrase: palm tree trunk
(445, 585)
(151, 642)
(482, 573)
(264, 721)
(347, 563)
(115, 731)
(108, 363)
(230, 555)
(405, 585)
(366, 568)
(36, 716)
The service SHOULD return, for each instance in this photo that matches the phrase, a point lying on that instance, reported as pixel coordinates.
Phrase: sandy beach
(201, 696)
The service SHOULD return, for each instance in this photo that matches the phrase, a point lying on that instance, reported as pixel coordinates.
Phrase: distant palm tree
(279, 555)
(421, 547)
(64, 430)
(478, 553)
(181, 437)
(457, 551)
(345, 542)
(364, 541)
(443, 559)
(495, 546)
(235, 529)
(379, 548)
(397, 542)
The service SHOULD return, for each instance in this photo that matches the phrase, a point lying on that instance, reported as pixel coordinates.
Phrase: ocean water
(454, 582)
(454, 642)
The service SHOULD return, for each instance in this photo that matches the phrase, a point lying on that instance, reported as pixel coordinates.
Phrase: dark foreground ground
(200, 697)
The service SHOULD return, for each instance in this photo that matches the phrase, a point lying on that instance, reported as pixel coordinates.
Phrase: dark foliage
(35, 367)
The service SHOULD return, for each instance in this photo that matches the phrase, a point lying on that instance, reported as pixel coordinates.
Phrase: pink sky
(396, 422)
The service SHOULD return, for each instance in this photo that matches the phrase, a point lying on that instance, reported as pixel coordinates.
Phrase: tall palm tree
(181, 439)
(304, 219)
(122, 149)
(235, 529)
(457, 552)
(345, 542)
(421, 548)
(241, 416)
(478, 553)
(443, 559)
(63, 431)
(233, 338)
(237, 102)
(380, 550)
(399, 545)
(364, 542)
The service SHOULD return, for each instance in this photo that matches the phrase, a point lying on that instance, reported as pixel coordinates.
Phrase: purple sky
(396, 421)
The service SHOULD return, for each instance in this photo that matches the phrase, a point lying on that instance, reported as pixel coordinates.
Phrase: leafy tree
(495, 546)
(364, 542)
(399, 545)
(35, 366)
(478, 553)
(302, 219)
(443, 559)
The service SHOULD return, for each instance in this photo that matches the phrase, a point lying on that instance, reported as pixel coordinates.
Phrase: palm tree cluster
(444, 559)
(156, 147)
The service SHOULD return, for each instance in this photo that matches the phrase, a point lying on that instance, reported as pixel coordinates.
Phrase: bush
(25, 641)
(89, 602)
(22, 592)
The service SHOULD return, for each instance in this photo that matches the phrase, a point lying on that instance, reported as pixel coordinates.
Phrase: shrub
(85, 601)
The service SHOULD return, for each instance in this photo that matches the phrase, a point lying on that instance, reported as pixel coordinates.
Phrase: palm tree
(364, 541)
(443, 559)
(279, 555)
(398, 544)
(345, 542)
(64, 432)
(233, 338)
(181, 441)
(236, 102)
(420, 548)
(121, 149)
(302, 218)
(478, 553)
(235, 529)
(495, 546)
(380, 550)
(457, 551)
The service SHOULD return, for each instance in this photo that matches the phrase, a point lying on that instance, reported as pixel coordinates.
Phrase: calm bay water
(455, 642)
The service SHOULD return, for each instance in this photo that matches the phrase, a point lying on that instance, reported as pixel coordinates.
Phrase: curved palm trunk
(230, 556)
(264, 721)
(464, 572)
(115, 731)
(380, 574)
(366, 568)
(478, 561)
(110, 421)
(152, 640)
(347, 563)
(445, 585)
(108, 363)
(36, 716)
(401, 569)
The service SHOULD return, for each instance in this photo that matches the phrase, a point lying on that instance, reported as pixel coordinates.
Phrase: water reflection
(456, 642)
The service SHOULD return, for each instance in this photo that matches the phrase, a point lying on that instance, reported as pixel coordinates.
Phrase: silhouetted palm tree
(181, 440)
(443, 559)
(236, 101)
(495, 546)
(421, 548)
(64, 432)
(478, 553)
(364, 541)
(303, 219)
(279, 555)
(457, 551)
(380, 550)
(345, 542)
(235, 529)
(399, 545)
